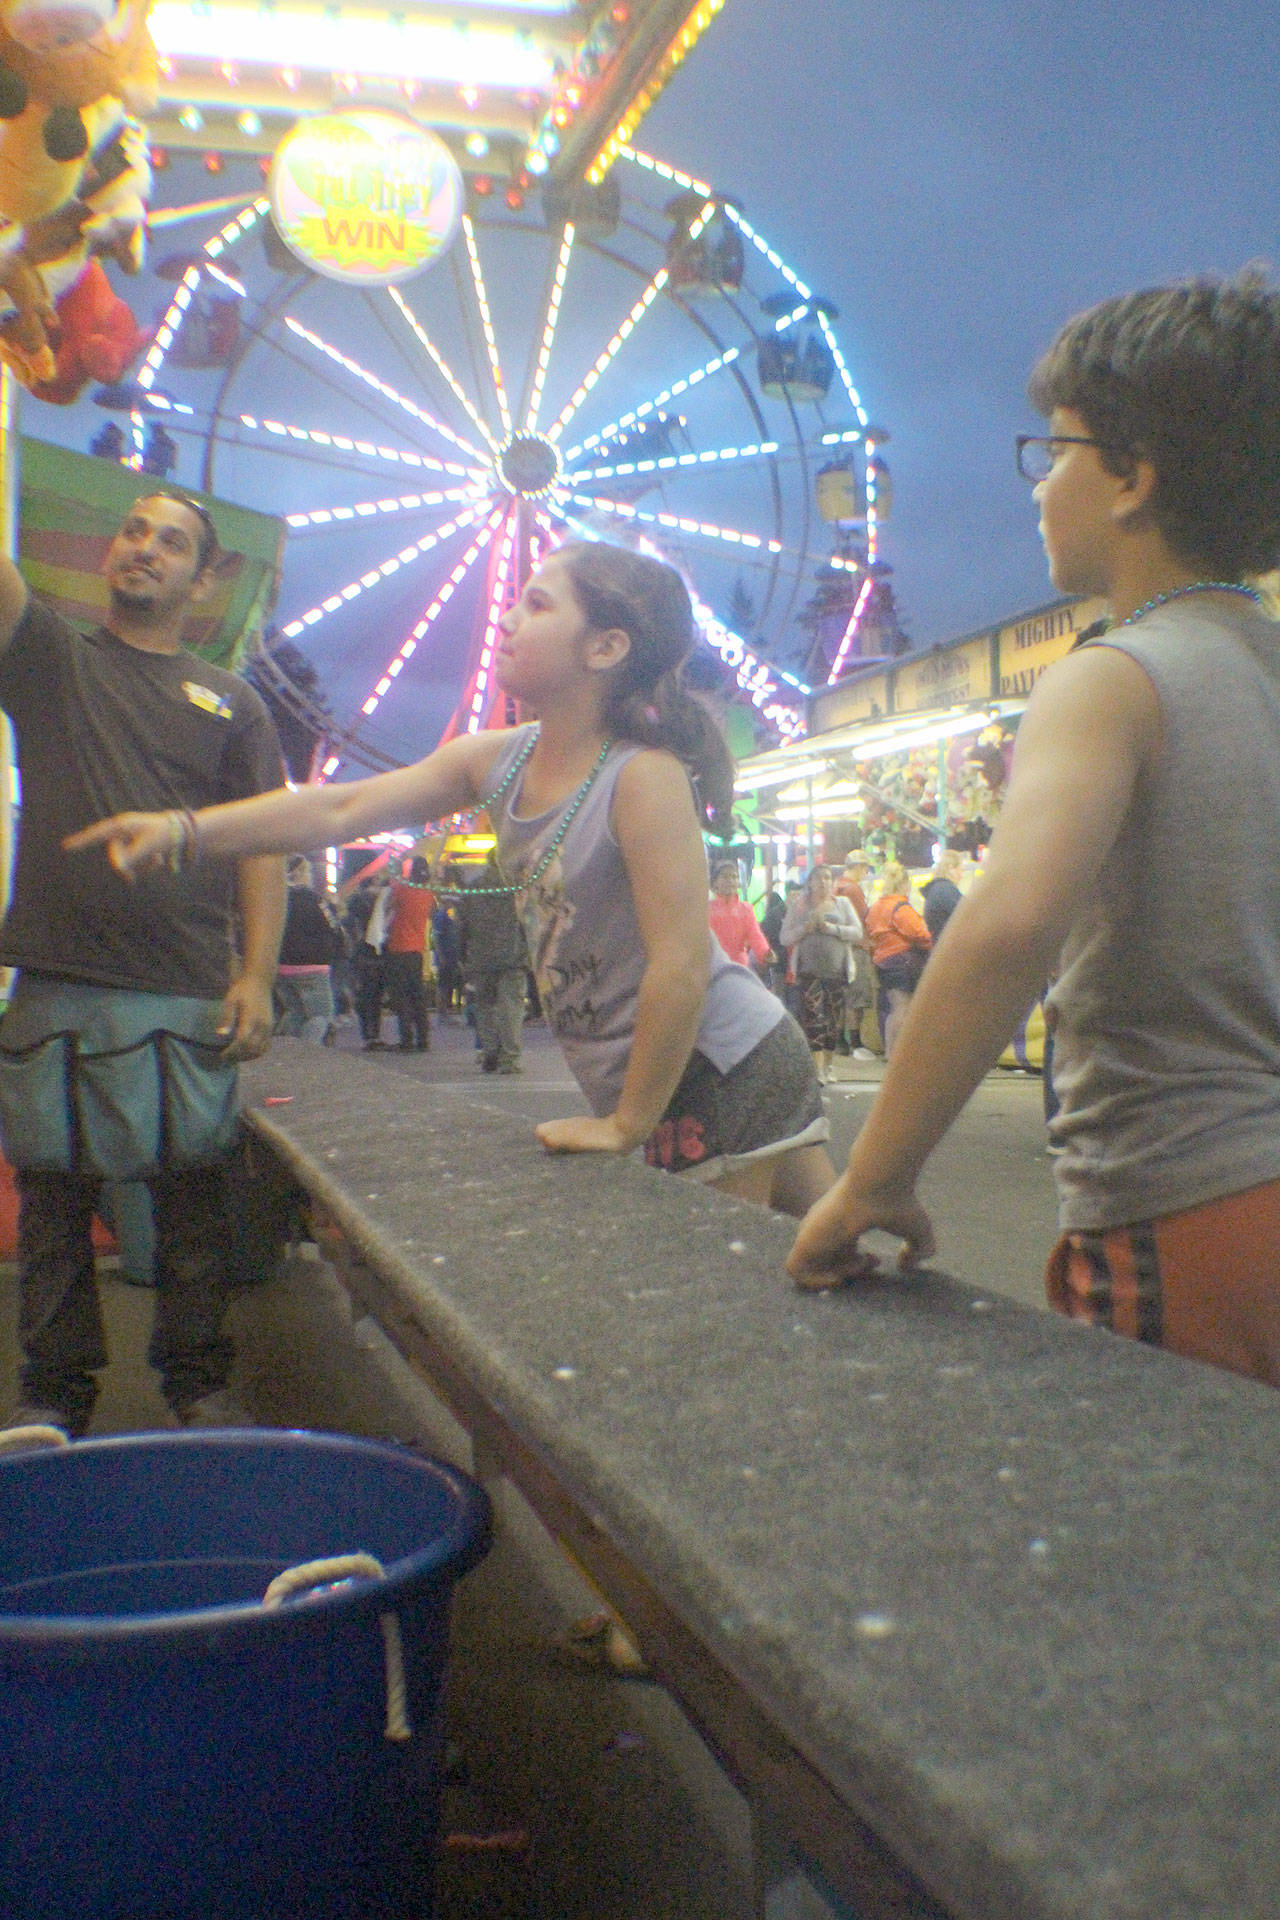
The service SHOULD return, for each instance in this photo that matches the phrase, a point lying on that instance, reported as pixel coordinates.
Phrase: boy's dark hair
(1187, 377)
(207, 542)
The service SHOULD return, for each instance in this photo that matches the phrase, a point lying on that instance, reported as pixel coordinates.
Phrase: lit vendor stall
(909, 757)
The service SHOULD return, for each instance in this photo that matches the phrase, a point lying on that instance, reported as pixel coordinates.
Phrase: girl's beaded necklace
(1197, 586)
(486, 806)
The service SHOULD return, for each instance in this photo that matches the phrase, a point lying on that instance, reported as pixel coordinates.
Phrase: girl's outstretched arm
(657, 831)
(288, 821)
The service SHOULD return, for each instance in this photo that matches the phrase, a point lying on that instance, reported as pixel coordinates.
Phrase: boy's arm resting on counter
(1092, 725)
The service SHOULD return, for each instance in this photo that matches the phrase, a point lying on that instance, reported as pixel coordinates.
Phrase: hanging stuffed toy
(41, 66)
(74, 176)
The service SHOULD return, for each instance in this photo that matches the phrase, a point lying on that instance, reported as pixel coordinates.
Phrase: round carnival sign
(367, 197)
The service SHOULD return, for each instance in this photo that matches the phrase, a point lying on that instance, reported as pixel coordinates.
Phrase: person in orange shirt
(732, 921)
(408, 920)
(900, 944)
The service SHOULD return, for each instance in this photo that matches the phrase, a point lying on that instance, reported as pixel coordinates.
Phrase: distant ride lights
(364, 199)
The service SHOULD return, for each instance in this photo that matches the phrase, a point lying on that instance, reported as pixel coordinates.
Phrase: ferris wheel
(641, 366)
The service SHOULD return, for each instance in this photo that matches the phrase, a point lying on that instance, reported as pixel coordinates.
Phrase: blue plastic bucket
(171, 1749)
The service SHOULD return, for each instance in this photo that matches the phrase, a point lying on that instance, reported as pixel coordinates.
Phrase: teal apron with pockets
(110, 1083)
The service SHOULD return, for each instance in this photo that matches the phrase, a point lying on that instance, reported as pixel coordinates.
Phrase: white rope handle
(327, 1573)
(39, 1435)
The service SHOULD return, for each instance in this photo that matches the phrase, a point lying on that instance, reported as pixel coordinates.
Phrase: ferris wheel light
(380, 386)
(774, 258)
(855, 622)
(342, 443)
(377, 574)
(406, 503)
(496, 599)
(441, 364)
(437, 606)
(228, 280)
(549, 327)
(665, 172)
(486, 323)
(677, 523)
(675, 460)
(842, 365)
(619, 339)
(652, 406)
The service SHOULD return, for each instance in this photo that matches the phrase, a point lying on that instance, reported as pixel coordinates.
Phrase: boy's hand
(584, 1134)
(134, 841)
(826, 1251)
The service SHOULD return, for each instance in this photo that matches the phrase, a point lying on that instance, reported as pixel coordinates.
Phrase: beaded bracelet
(184, 836)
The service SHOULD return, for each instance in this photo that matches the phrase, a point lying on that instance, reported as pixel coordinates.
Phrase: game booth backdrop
(70, 506)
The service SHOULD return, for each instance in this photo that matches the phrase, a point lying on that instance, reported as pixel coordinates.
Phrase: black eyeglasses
(1035, 455)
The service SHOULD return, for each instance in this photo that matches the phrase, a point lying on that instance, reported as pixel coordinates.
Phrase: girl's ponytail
(670, 716)
(647, 700)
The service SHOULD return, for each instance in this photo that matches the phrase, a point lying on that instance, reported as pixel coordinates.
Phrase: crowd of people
(405, 943)
(836, 956)
(1140, 812)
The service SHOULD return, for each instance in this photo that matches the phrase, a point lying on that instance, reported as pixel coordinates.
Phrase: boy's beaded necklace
(485, 806)
(1197, 586)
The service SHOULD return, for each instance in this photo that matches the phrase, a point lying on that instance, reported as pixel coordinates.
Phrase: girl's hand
(135, 842)
(826, 1251)
(584, 1134)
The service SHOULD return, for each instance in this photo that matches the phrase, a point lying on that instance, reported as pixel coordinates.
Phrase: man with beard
(132, 1005)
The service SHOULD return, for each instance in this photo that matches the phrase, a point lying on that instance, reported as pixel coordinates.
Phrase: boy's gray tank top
(584, 940)
(1167, 1005)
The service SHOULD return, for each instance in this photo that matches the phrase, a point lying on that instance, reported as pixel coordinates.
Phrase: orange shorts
(1204, 1283)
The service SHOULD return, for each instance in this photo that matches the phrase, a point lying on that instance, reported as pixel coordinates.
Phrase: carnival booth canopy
(546, 87)
(71, 507)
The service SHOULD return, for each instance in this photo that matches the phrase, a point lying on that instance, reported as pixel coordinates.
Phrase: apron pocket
(201, 1101)
(36, 1128)
(118, 1098)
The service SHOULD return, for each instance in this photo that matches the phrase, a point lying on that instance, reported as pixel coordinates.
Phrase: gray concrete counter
(983, 1604)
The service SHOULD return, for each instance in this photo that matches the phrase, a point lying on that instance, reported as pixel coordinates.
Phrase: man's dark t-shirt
(103, 728)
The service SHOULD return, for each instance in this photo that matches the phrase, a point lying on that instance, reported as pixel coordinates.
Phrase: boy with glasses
(1136, 855)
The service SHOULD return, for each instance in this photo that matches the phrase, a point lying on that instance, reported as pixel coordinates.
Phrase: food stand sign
(946, 677)
(367, 197)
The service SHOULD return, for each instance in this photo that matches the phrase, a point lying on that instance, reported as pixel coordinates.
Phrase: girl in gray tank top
(599, 811)
(675, 1047)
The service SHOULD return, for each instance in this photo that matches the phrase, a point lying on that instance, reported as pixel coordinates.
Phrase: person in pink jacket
(732, 921)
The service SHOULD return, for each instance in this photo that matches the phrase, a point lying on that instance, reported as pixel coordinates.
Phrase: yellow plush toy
(73, 163)
(63, 76)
